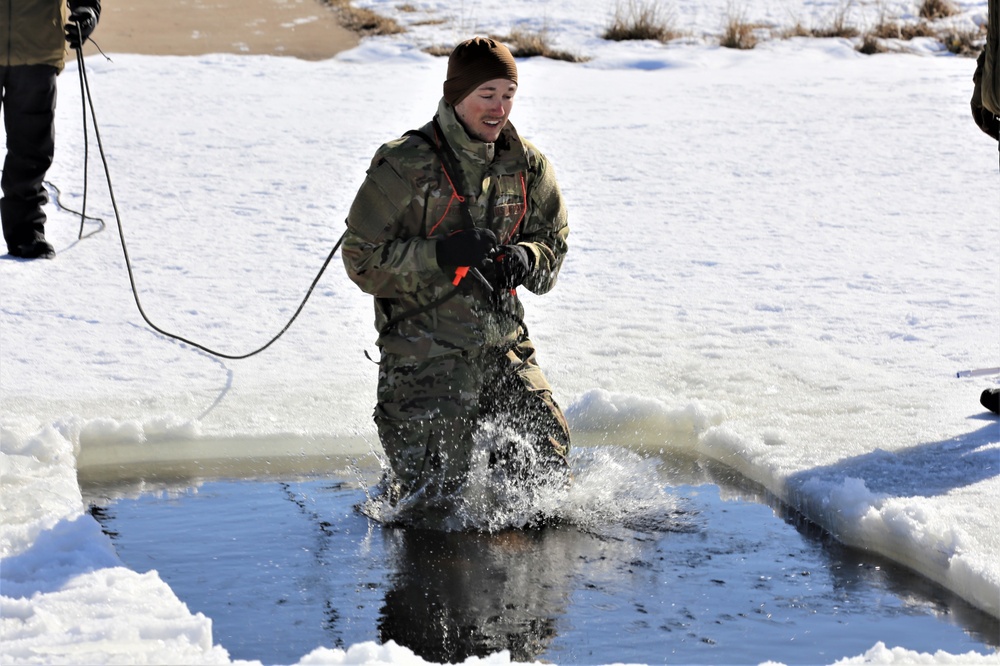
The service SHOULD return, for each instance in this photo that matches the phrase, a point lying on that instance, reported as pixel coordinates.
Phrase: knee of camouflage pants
(426, 416)
(429, 411)
(529, 401)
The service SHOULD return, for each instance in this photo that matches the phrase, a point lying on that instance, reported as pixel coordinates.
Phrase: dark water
(705, 574)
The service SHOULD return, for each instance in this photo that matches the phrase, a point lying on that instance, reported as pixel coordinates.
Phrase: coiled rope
(88, 101)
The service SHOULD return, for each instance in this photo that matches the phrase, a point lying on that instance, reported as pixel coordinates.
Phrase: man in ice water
(450, 221)
(33, 37)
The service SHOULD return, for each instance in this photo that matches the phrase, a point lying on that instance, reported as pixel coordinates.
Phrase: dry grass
(873, 41)
(525, 44)
(960, 42)
(840, 26)
(738, 33)
(937, 9)
(363, 22)
(837, 30)
(914, 30)
(648, 19)
(639, 19)
(891, 28)
(437, 51)
(797, 30)
(522, 44)
(877, 39)
(963, 42)
(437, 21)
(871, 44)
(885, 29)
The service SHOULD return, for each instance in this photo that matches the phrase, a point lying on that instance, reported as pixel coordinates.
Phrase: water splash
(609, 487)
(616, 487)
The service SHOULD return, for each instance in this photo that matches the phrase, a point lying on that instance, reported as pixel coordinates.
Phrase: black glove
(512, 264)
(81, 24)
(465, 248)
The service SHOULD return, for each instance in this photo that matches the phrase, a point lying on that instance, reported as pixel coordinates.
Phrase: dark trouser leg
(29, 102)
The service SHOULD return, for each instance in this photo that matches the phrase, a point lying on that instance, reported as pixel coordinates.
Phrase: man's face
(485, 110)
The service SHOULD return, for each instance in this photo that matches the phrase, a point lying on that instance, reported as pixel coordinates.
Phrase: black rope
(88, 100)
(86, 137)
(57, 199)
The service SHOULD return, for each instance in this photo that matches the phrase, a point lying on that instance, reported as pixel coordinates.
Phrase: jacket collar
(508, 154)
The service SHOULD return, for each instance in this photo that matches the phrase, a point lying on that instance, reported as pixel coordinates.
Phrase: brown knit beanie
(472, 63)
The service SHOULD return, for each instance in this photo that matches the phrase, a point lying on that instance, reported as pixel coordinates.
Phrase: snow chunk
(390, 654)
(601, 410)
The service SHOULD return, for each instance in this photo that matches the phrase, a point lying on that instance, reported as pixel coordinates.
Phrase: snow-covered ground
(779, 258)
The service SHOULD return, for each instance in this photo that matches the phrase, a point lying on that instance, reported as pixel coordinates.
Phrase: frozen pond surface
(285, 564)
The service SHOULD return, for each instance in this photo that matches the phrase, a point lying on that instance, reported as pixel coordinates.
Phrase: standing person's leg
(29, 103)
(426, 414)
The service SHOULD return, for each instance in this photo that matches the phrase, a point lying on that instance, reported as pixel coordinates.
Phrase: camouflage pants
(429, 410)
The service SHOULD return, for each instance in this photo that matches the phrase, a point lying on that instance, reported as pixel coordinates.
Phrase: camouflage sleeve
(545, 229)
(378, 256)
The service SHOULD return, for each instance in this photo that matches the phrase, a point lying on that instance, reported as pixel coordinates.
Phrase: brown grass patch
(840, 26)
(914, 30)
(871, 44)
(738, 33)
(530, 44)
(885, 29)
(937, 9)
(363, 22)
(522, 44)
(438, 51)
(638, 20)
(904, 31)
(437, 21)
(797, 30)
(963, 42)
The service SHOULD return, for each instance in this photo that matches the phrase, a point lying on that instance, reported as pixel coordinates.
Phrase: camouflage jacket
(32, 33)
(407, 202)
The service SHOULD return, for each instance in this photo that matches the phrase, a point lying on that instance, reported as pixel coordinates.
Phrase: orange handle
(460, 273)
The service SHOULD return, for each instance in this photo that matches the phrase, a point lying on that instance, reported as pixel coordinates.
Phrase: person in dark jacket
(33, 38)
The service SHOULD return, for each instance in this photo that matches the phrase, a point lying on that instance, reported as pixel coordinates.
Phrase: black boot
(990, 399)
(37, 249)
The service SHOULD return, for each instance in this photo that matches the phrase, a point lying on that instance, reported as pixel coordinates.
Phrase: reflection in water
(456, 594)
(476, 594)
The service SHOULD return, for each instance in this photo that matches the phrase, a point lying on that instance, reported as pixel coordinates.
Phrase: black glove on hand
(465, 248)
(512, 266)
(81, 24)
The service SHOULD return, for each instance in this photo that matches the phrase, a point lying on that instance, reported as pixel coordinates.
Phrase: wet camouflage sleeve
(381, 257)
(545, 229)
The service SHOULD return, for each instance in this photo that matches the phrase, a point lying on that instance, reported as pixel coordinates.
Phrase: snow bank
(66, 596)
(880, 654)
(776, 260)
